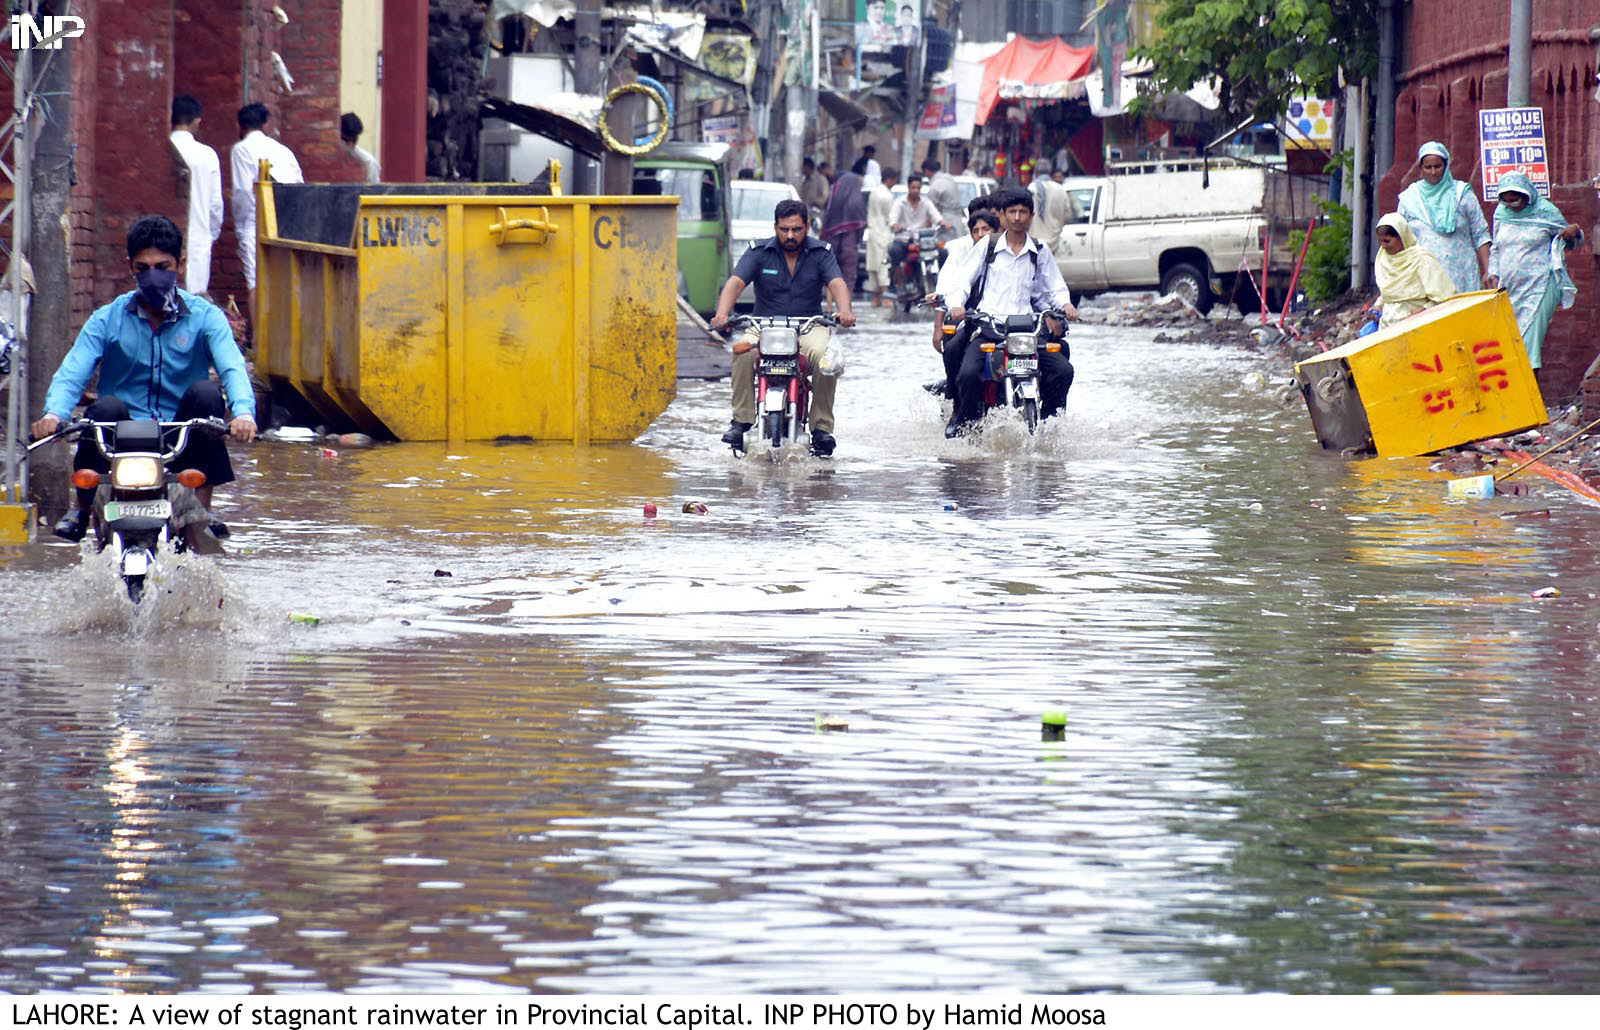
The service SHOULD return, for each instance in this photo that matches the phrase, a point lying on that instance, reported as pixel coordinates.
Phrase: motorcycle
(783, 387)
(143, 505)
(1011, 368)
(918, 271)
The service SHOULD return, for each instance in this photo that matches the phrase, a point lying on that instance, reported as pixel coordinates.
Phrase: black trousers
(205, 452)
(1055, 379)
(955, 347)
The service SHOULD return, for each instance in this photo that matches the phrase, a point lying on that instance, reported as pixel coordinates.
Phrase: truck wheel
(1245, 297)
(1189, 283)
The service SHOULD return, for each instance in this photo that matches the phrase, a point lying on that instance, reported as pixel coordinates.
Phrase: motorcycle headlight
(780, 342)
(1017, 343)
(136, 472)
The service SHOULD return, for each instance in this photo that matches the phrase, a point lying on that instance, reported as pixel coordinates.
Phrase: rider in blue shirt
(155, 348)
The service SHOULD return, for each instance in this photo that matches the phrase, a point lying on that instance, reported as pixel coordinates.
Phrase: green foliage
(1262, 52)
(1326, 274)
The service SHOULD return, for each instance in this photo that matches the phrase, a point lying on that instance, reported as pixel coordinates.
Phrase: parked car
(753, 203)
(1182, 230)
(697, 175)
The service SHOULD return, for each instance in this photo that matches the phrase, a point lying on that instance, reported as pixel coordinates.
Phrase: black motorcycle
(142, 504)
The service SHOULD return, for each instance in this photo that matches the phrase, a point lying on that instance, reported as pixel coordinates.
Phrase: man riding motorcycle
(1009, 275)
(155, 347)
(790, 272)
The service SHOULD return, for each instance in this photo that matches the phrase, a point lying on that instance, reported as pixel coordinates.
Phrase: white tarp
(680, 30)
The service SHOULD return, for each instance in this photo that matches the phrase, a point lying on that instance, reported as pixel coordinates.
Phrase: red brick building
(136, 55)
(1454, 62)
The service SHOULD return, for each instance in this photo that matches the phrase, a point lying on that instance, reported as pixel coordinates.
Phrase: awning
(1026, 70)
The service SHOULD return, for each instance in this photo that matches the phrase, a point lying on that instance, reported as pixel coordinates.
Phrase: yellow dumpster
(1446, 376)
(463, 311)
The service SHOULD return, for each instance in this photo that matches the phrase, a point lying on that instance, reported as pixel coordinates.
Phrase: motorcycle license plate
(1022, 365)
(161, 509)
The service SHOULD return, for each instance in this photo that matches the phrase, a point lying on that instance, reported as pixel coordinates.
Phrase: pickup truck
(1182, 230)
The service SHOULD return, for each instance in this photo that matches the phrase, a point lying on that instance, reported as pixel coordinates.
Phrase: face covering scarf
(158, 289)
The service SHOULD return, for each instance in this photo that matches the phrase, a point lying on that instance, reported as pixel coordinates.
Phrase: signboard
(722, 128)
(1511, 139)
(881, 24)
(938, 119)
(1308, 124)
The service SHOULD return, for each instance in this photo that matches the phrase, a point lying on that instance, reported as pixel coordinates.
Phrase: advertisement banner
(881, 25)
(1511, 139)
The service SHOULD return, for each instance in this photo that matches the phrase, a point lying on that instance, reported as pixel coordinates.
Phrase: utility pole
(586, 80)
(916, 57)
(1355, 132)
(18, 517)
(1383, 117)
(1519, 77)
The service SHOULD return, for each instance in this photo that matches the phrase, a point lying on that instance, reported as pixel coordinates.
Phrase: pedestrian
(253, 147)
(813, 188)
(1409, 277)
(350, 129)
(154, 349)
(880, 202)
(204, 221)
(826, 169)
(846, 217)
(1445, 217)
(872, 174)
(1527, 257)
(942, 188)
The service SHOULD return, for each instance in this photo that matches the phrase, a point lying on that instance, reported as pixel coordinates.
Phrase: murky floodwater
(1320, 739)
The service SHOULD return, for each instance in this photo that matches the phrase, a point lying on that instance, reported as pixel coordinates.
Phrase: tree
(1262, 52)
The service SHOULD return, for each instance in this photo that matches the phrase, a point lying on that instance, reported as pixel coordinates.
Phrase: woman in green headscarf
(1445, 216)
(1528, 258)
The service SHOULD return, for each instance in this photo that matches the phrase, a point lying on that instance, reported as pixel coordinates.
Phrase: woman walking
(1409, 277)
(1447, 220)
(1528, 258)
(842, 225)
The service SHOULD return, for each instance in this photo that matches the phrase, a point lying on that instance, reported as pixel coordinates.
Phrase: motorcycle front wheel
(773, 430)
(135, 588)
(1030, 413)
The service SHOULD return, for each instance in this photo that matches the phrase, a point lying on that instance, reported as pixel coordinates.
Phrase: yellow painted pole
(581, 322)
(455, 344)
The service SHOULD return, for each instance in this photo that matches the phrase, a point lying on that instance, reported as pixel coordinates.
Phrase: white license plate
(115, 510)
(1015, 366)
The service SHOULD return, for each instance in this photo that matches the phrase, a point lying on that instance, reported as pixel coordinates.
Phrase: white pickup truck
(1174, 227)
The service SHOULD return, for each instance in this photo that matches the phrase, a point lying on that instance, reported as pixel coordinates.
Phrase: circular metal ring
(631, 149)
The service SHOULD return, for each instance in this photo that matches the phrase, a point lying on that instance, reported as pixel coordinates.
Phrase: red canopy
(1026, 69)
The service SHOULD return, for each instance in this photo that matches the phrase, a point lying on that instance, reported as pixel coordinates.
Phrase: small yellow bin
(1449, 375)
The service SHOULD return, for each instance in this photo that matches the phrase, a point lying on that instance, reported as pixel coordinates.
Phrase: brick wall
(309, 120)
(1455, 61)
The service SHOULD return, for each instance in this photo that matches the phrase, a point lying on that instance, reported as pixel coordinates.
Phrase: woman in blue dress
(1528, 258)
(1447, 220)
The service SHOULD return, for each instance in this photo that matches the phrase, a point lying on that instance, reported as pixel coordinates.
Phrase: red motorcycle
(783, 385)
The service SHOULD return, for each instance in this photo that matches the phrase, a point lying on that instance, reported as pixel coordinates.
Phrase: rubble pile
(456, 46)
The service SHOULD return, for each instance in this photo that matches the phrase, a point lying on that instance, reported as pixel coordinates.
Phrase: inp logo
(30, 33)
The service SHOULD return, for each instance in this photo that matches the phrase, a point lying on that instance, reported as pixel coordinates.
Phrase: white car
(753, 202)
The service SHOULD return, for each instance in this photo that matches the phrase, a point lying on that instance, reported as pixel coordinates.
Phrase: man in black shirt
(790, 272)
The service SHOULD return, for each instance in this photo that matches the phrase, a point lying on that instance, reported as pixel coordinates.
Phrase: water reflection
(1320, 736)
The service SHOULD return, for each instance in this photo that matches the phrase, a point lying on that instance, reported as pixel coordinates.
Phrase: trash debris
(1053, 724)
(442, 572)
(649, 511)
(1539, 513)
(1471, 487)
(951, 505)
(349, 439)
(291, 434)
(1546, 592)
(302, 617)
(329, 452)
(694, 508)
(827, 722)
(1253, 381)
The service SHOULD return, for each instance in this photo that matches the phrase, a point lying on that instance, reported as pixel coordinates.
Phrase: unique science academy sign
(1511, 139)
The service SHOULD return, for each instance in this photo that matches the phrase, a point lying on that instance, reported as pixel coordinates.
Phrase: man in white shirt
(205, 192)
(255, 146)
(873, 173)
(914, 211)
(350, 129)
(1010, 275)
(980, 224)
(880, 202)
(942, 189)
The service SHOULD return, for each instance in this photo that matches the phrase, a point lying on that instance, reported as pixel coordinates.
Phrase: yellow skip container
(1449, 375)
(469, 311)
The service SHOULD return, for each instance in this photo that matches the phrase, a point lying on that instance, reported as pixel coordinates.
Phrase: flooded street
(1320, 736)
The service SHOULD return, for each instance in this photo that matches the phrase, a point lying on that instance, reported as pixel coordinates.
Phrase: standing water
(1320, 737)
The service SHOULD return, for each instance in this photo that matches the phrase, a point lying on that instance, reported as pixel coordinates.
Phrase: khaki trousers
(813, 343)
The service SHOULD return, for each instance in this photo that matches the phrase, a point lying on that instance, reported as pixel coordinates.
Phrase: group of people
(1438, 244)
(205, 181)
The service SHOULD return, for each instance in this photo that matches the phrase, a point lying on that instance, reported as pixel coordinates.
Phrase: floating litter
(649, 511)
(829, 723)
(1053, 725)
(1472, 487)
(694, 508)
(1546, 592)
(950, 506)
(309, 620)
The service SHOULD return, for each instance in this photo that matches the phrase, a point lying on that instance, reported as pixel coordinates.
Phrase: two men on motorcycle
(1010, 274)
(155, 348)
(791, 271)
